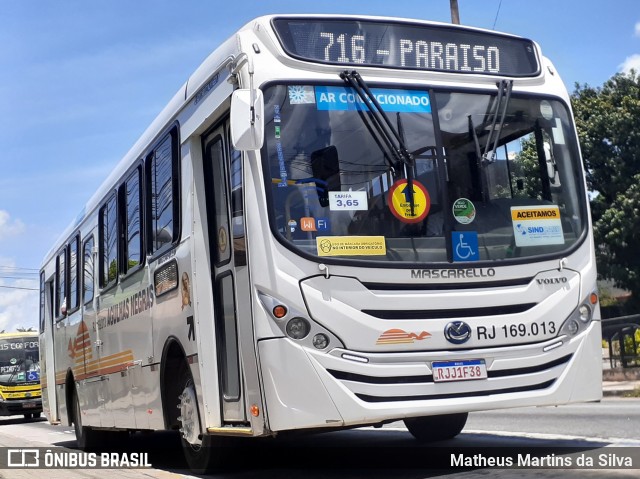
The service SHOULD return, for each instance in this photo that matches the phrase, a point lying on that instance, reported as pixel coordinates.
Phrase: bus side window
(61, 284)
(108, 243)
(74, 274)
(131, 195)
(237, 209)
(42, 302)
(87, 269)
(162, 194)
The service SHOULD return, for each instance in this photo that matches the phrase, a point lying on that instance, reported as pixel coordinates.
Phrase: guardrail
(623, 338)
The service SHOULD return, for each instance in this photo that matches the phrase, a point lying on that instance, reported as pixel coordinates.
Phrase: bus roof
(19, 334)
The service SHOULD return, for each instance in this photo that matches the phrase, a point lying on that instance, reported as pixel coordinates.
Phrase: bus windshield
(19, 361)
(494, 177)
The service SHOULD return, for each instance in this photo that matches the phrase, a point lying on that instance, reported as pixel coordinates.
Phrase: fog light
(572, 327)
(584, 313)
(320, 341)
(298, 328)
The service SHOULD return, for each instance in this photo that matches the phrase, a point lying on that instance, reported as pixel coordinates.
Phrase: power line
(19, 271)
(17, 277)
(18, 267)
(18, 287)
(497, 13)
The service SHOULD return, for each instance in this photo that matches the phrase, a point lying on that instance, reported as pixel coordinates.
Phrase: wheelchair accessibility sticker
(465, 246)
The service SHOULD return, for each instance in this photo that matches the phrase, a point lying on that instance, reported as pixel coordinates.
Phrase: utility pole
(455, 14)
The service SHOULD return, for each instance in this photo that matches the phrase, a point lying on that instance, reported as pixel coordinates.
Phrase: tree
(608, 123)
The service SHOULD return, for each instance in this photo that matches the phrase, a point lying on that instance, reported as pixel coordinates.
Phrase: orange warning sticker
(401, 205)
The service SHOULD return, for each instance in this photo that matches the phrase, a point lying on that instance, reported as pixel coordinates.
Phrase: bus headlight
(580, 319)
(571, 327)
(297, 324)
(320, 341)
(298, 328)
(584, 313)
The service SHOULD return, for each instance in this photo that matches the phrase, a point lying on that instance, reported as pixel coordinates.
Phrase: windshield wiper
(504, 93)
(16, 370)
(385, 149)
(385, 129)
(483, 158)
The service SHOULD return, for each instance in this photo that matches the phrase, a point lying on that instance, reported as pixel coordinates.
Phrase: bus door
(228, 281)
(47, 362)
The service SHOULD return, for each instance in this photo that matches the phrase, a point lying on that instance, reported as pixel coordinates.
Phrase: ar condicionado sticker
(400, 201)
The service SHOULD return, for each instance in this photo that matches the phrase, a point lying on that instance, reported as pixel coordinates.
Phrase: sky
(81, 80)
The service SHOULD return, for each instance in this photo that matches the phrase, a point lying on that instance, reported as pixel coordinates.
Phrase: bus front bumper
(307, 389)
(15, 407)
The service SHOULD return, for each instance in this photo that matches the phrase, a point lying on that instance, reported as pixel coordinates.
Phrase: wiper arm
(476, 141)
(484, 187)
(385, 149)
(504, 92)
(390, 136)
(17, 365)
(383, 125)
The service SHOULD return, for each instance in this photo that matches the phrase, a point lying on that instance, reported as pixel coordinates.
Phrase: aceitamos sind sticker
(537, 225)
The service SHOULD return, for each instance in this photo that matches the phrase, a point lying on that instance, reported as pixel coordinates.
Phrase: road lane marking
(612, 441)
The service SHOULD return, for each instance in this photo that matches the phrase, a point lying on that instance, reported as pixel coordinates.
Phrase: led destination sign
(406, 46)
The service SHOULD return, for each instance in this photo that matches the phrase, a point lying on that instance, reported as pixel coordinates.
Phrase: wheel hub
(190, 428)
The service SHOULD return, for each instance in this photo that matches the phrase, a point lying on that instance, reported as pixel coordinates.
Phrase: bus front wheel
(436, 428)
(202, 451)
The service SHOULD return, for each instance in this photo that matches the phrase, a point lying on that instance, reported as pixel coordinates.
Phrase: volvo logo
(559, 280)
(457, 332)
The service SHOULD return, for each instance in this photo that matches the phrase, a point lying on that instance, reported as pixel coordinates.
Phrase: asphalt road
(607, 433)
(611, 418)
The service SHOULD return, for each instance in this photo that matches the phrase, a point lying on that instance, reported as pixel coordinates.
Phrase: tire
(90, 439)
(436, 428)
(204, 458)
(83, 434)
(202, 452)
(28, 416)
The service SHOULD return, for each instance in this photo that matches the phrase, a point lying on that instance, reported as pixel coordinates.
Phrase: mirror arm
(238, 63)
(252, 107)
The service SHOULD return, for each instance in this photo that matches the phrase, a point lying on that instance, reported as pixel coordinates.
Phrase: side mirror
(247, 119)
(325, 166)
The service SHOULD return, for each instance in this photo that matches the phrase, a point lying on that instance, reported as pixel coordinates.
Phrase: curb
(617, 393)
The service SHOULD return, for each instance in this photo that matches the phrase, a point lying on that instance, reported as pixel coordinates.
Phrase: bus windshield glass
(495, 176)
(19, 360)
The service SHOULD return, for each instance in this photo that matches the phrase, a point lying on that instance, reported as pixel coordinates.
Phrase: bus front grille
(371, 388)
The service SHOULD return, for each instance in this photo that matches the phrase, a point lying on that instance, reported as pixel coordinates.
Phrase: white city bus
(337, 221)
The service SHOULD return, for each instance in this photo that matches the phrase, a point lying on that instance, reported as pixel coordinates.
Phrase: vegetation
(608, 123)
(633, 394)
